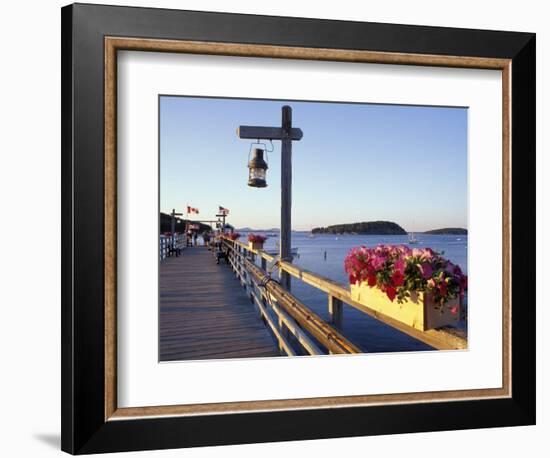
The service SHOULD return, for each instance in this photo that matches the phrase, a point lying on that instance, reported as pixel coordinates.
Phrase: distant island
(249, 229)
(369, 228)
(448, 231)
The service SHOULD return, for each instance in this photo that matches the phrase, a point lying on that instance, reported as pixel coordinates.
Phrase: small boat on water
(275, 252)
(412, 239)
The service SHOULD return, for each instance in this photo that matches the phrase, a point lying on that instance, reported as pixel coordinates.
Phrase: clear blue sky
(356, 162)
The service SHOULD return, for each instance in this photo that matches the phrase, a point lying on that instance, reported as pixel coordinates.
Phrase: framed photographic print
(282, 228)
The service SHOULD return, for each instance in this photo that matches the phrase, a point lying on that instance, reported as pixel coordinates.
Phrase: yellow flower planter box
(418, 311)
(256, 245)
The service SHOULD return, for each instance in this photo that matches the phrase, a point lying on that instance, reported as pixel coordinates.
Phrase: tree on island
(368, 228)
(448, 231)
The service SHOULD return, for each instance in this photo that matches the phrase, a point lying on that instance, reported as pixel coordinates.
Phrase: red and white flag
(223, 211)
(192, 210)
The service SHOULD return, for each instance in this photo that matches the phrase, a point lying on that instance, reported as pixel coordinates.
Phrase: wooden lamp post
(173, 225)
(222, 215)
(286, 134)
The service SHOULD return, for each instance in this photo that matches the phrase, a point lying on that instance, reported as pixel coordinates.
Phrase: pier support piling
(336, 311)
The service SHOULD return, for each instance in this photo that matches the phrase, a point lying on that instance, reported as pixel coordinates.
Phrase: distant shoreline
(356, 229)
(447, 231)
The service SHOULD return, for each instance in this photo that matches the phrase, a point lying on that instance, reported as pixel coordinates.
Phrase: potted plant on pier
(418, 287)
(256, 241)
(233, 236)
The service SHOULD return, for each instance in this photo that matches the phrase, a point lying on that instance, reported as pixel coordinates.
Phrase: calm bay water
(370, 334)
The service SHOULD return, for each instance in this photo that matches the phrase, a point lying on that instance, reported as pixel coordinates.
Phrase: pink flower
(399, 265)
(390, 292)
(454, 310)
(450, 268)
(426, 270)
(397, 278)
(256, 238)
(398, 270)
(378, 262)
(428, 253)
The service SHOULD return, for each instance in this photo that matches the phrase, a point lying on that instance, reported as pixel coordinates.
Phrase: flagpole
(186, 222)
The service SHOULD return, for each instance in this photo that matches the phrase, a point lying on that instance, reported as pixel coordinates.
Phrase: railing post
(285, 334)
(243, 273)
(264, 265)
(264, 302)
(336, 311)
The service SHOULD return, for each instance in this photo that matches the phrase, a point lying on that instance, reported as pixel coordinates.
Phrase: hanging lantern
(257, 167)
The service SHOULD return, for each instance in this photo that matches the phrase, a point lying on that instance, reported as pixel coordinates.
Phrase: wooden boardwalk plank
(205, 312)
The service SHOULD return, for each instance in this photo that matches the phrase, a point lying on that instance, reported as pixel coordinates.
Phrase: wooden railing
(447, 338)
(292, 323)
(168, 243)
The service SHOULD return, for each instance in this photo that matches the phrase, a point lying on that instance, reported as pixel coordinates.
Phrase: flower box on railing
(232, 236)
(256, 245)
(417, 287)
(419, 310)
(256, 242)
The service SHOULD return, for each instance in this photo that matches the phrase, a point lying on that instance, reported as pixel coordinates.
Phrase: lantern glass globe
(257, 168)
(256, 178)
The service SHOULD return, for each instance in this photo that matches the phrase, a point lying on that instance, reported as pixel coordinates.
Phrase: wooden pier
(211, 311)
(205, 313)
